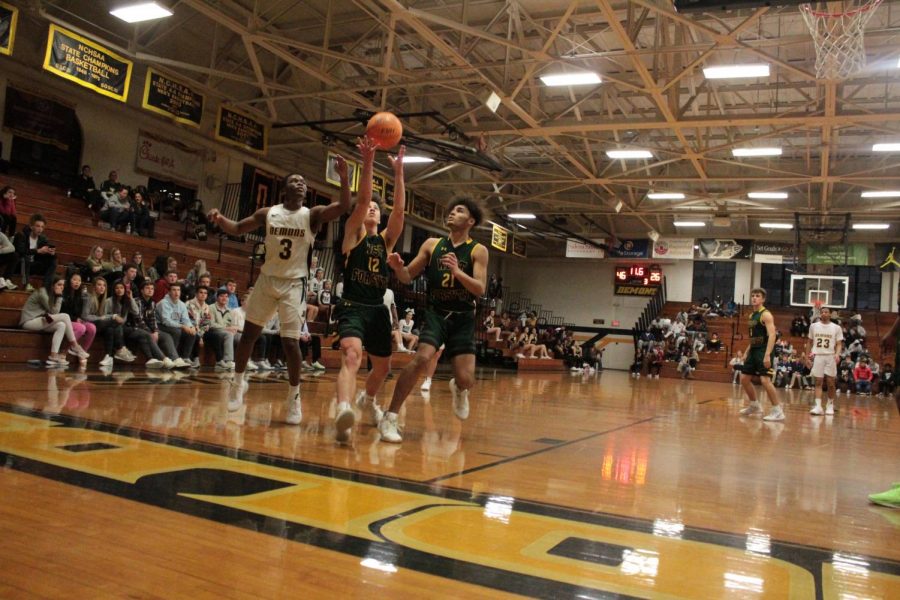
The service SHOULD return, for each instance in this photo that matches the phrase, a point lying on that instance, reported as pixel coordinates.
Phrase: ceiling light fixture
(562, 79)
(145, 11)
(871, 226)
(768, 195)
(522, 216)
(689, 224)
(776, 225)
(881, 194)
(626, 154)
(493, 102)
(888, 147)
(417, 159)
(756, 152)
(736, 71)
(665, 196)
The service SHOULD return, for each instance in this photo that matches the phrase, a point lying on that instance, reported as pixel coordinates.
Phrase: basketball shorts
(371, 324)
(287, 297)
(753, 363)
(824, 366)
(456, 330)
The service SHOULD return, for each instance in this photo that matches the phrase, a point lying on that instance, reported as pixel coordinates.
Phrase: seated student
(887, 382)
(74, 295)
(201, 316)
(7, 260)
(797, 325)
(714, 344)
(161, 343)
(8, 211)
(845, 382)
(531, 340)
(110, 326)
(656, 361)
(684, 363)
(637, 364)
(862, 374)
(407, 325)
(94, 264)
(35, 252)
(42, 312)
(730, 308)
(143, 224)
(491, 329)
(115, 266)
(736, 362)
(117, 208)
(311, 348)
(84, 187)
(137, 259)
(162, 285)
(173, 318)
(221, 331)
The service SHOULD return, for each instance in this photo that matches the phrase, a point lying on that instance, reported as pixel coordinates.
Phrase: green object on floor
(890, 498)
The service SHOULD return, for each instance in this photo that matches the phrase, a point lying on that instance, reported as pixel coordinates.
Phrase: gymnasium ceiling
(290, 60)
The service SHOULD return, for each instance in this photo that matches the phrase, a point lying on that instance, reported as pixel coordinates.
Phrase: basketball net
(838, 37)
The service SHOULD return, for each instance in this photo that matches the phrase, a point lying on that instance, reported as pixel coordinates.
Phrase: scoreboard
(637, 280)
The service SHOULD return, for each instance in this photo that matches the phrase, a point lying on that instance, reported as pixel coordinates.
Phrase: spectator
(84, 187)
(221, 332)
(7, 260)
(8, 211)
(193, 276)
(310, 346)
(490, 327)
(638, 364)
(201, 316)
(160, 267)
(116, 263)
(112, 183)
(797, 325)
(845, 382)
(109, 325)
(162, 285)
(137, 259)
(862, 374)
(656, 361)
(116, 209)
(143, 224)
(714, 344)
(495, 290)
(730, 308)
(172, 316)
(886, 383)
(36, 253)
(94, 264)
(409, 339)
(130, 279)
(233, 301)
(532, 340)
(737, 361)
(74, 295)
(141, 329)
(42, 312)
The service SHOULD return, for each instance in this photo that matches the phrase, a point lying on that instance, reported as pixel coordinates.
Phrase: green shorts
(455, 330)
(371, 324)
(753, 363)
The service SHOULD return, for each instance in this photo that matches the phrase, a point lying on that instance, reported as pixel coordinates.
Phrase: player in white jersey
(827, 339)
(281, 287)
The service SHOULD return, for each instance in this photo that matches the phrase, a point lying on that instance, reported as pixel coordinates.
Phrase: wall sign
(674, 248)
(241, 130)
(9, 18)
(172, 99)
(499, 237)
(87, 63)
(518, 246)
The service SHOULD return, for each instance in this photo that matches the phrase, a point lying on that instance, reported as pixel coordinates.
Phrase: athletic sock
(370, 399)
(239, 377)
(293, 391)
(818, 403)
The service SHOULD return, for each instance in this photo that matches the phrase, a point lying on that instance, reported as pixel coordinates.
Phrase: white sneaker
(107, 361)
(294, 411)
(829, 408)
(180, 363)
(776, 414)
(343, 422)
(460, 401)
(264, 365)
(317, 366)
(124, 355)
(371, 412)
(305, 366)
(236, 394)
(252, 366)
(426, 385)
(816, 410)
(221, 365)
(154, 363)
(751, 409)
(194, 364)
(168, 363)
(389, 430)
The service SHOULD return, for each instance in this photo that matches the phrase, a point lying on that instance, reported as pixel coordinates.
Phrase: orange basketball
(385, 130)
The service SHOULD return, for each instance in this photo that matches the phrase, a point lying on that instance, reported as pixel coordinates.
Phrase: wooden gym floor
(558, 485)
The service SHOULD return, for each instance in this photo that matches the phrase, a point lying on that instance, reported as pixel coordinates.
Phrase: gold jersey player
(362, 317)
(758, 358)
(281, 287)
(456, 271)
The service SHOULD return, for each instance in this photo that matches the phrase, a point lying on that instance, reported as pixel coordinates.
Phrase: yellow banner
(87, 63)
(9, 18)
(499, 237)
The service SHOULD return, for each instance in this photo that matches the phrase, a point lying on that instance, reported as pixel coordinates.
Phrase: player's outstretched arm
(363, 197)
(407, 273)
(251, 223)
(395, 221)
(323, 214)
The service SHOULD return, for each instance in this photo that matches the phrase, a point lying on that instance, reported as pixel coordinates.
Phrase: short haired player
(758, 358)
(281, 287)
(826, 339)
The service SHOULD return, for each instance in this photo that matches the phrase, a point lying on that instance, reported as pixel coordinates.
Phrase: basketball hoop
(838, 37)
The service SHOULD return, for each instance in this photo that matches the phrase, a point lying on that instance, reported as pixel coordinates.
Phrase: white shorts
(824, 364)
(286, 296)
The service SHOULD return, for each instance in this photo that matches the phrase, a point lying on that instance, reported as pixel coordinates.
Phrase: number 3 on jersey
(286, 245)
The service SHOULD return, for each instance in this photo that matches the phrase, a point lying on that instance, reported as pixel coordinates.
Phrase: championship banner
(241, 130)
(168, 160)
(629, 248)
(331, 174)
(378, 183)
(39, 117)
(87, 63)
(172, 99)
(499, 237)
(773, 253)
(724, 249)
(576, 249)
(834, 254)
(9, 18)
(518, 247)
(421, 207)
(674, 248)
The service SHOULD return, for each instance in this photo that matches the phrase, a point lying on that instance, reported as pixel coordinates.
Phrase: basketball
(385, 130)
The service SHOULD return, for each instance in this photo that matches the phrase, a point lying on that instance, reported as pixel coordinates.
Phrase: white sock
(818, 403)
(239, 377)
(428, 379)
(293, 391)
(388, 414)
(370, 399)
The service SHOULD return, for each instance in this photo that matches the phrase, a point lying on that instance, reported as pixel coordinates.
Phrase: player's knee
(352, 356)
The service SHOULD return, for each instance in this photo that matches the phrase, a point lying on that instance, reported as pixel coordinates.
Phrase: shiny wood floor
(558, 485)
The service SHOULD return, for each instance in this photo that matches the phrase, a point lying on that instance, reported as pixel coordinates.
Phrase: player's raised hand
(213, 216)
(397, 161)
(366, 148)
(340, 165)
(449, 261)
(395, 261)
